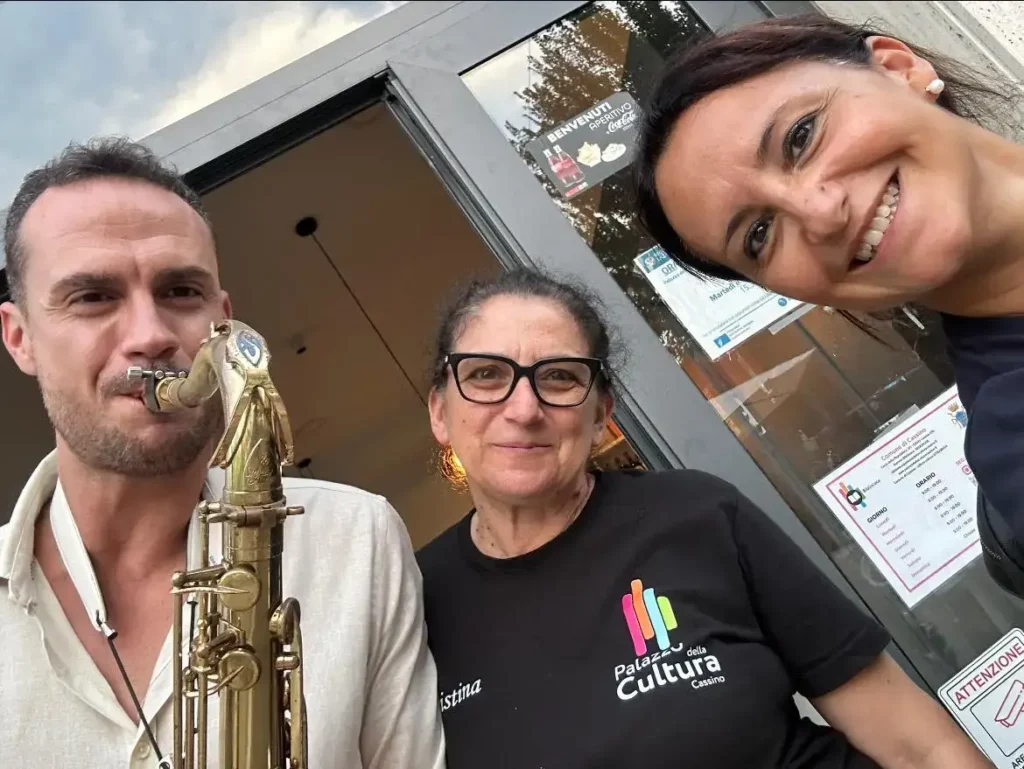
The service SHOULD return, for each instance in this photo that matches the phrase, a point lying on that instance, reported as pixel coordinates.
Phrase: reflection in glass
(802, 396)
(70, 70)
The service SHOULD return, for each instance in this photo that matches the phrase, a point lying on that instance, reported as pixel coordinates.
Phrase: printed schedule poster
(987, 699)
(583, 152)
(909, 499)
(718, 314)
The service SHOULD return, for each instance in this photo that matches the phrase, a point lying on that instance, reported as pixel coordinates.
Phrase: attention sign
(987, 699)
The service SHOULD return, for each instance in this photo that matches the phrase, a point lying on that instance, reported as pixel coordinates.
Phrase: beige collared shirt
(370, 681)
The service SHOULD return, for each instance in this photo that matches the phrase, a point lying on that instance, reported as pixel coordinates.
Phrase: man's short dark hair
(100, 157)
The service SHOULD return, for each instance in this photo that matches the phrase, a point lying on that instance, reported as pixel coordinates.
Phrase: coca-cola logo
(623, 122)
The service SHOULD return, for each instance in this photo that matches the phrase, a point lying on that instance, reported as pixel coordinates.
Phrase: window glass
(841, 421)
(70, 70)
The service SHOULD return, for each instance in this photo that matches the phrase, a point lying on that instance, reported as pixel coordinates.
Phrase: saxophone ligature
(245, 645)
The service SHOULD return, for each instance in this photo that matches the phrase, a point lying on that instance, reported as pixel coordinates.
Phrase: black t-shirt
(988, 358)
(668, 626)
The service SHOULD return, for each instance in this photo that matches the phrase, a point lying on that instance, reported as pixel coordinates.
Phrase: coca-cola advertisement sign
(584, 151)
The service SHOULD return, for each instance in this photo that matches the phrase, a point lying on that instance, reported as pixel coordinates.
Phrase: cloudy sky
(71, 70)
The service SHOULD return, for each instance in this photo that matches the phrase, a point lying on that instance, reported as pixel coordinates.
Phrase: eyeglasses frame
(453, 359)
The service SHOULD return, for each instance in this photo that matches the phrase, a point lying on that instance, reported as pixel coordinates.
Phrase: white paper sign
(910, 499)
(719, 314)
(987, 699)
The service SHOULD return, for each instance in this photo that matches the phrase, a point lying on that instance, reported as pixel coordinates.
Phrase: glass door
(855, 422)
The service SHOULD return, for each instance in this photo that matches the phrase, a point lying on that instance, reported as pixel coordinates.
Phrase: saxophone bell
(245, 643)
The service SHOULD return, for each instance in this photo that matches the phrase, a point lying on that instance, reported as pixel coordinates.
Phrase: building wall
(988, 36)
(999, 24)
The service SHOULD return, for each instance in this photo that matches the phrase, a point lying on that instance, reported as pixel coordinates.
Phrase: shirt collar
(17, 537)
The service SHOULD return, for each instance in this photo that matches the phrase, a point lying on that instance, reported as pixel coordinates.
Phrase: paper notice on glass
(718, 314)
(909, 500)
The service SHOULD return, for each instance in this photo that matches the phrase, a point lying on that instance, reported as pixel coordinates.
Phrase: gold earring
(935, 87)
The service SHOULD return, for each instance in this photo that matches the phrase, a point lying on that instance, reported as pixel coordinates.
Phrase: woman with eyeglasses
(581, 619)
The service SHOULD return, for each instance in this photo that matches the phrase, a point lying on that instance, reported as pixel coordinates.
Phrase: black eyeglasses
(562, 382)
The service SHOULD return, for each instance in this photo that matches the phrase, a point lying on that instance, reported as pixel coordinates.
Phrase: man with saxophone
(115, 295)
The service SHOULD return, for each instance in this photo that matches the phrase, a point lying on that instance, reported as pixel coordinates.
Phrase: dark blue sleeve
(988, 356)
(994, 446)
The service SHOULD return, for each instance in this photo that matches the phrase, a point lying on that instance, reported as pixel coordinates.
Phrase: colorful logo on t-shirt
(647, 617)
(854, 497)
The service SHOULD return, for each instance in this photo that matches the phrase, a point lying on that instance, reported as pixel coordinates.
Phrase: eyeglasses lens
(560, 383)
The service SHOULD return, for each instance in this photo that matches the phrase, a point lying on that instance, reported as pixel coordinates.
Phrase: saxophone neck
(235, 362)
(165, 391)
(256, 422)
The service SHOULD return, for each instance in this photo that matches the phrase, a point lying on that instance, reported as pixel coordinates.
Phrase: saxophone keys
(239, 669)
(238, 589)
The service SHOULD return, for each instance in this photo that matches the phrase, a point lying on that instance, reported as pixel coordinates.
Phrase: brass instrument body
(245, 645)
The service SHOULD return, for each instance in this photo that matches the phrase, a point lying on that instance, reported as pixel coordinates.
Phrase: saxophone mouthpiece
(150, 378)
(137, 373)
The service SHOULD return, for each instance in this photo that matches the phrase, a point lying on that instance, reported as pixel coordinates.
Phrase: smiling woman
(643, 610)
(792, 197)
(857, 174)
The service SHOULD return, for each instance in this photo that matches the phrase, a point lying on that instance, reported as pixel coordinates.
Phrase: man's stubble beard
(104, 446)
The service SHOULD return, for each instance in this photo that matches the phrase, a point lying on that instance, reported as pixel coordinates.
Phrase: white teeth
(880, 223)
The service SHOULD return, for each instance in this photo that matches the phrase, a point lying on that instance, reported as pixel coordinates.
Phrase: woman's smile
(522, 447)
(876, 233)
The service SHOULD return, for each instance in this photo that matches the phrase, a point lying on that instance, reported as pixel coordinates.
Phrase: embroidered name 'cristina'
(459, 694)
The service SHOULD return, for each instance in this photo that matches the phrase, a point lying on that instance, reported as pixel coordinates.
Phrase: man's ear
(17, 338)
(895, 59)
(226, 304)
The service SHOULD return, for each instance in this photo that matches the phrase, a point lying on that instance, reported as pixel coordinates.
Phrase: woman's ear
(438, 423)
(605, 407)
(895, 59)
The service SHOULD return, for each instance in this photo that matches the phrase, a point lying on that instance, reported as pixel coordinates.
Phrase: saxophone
(245, 645)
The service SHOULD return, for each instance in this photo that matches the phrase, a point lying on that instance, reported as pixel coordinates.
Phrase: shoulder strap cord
(111, 634)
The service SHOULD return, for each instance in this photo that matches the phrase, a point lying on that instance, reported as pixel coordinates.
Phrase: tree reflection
(573, 66)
